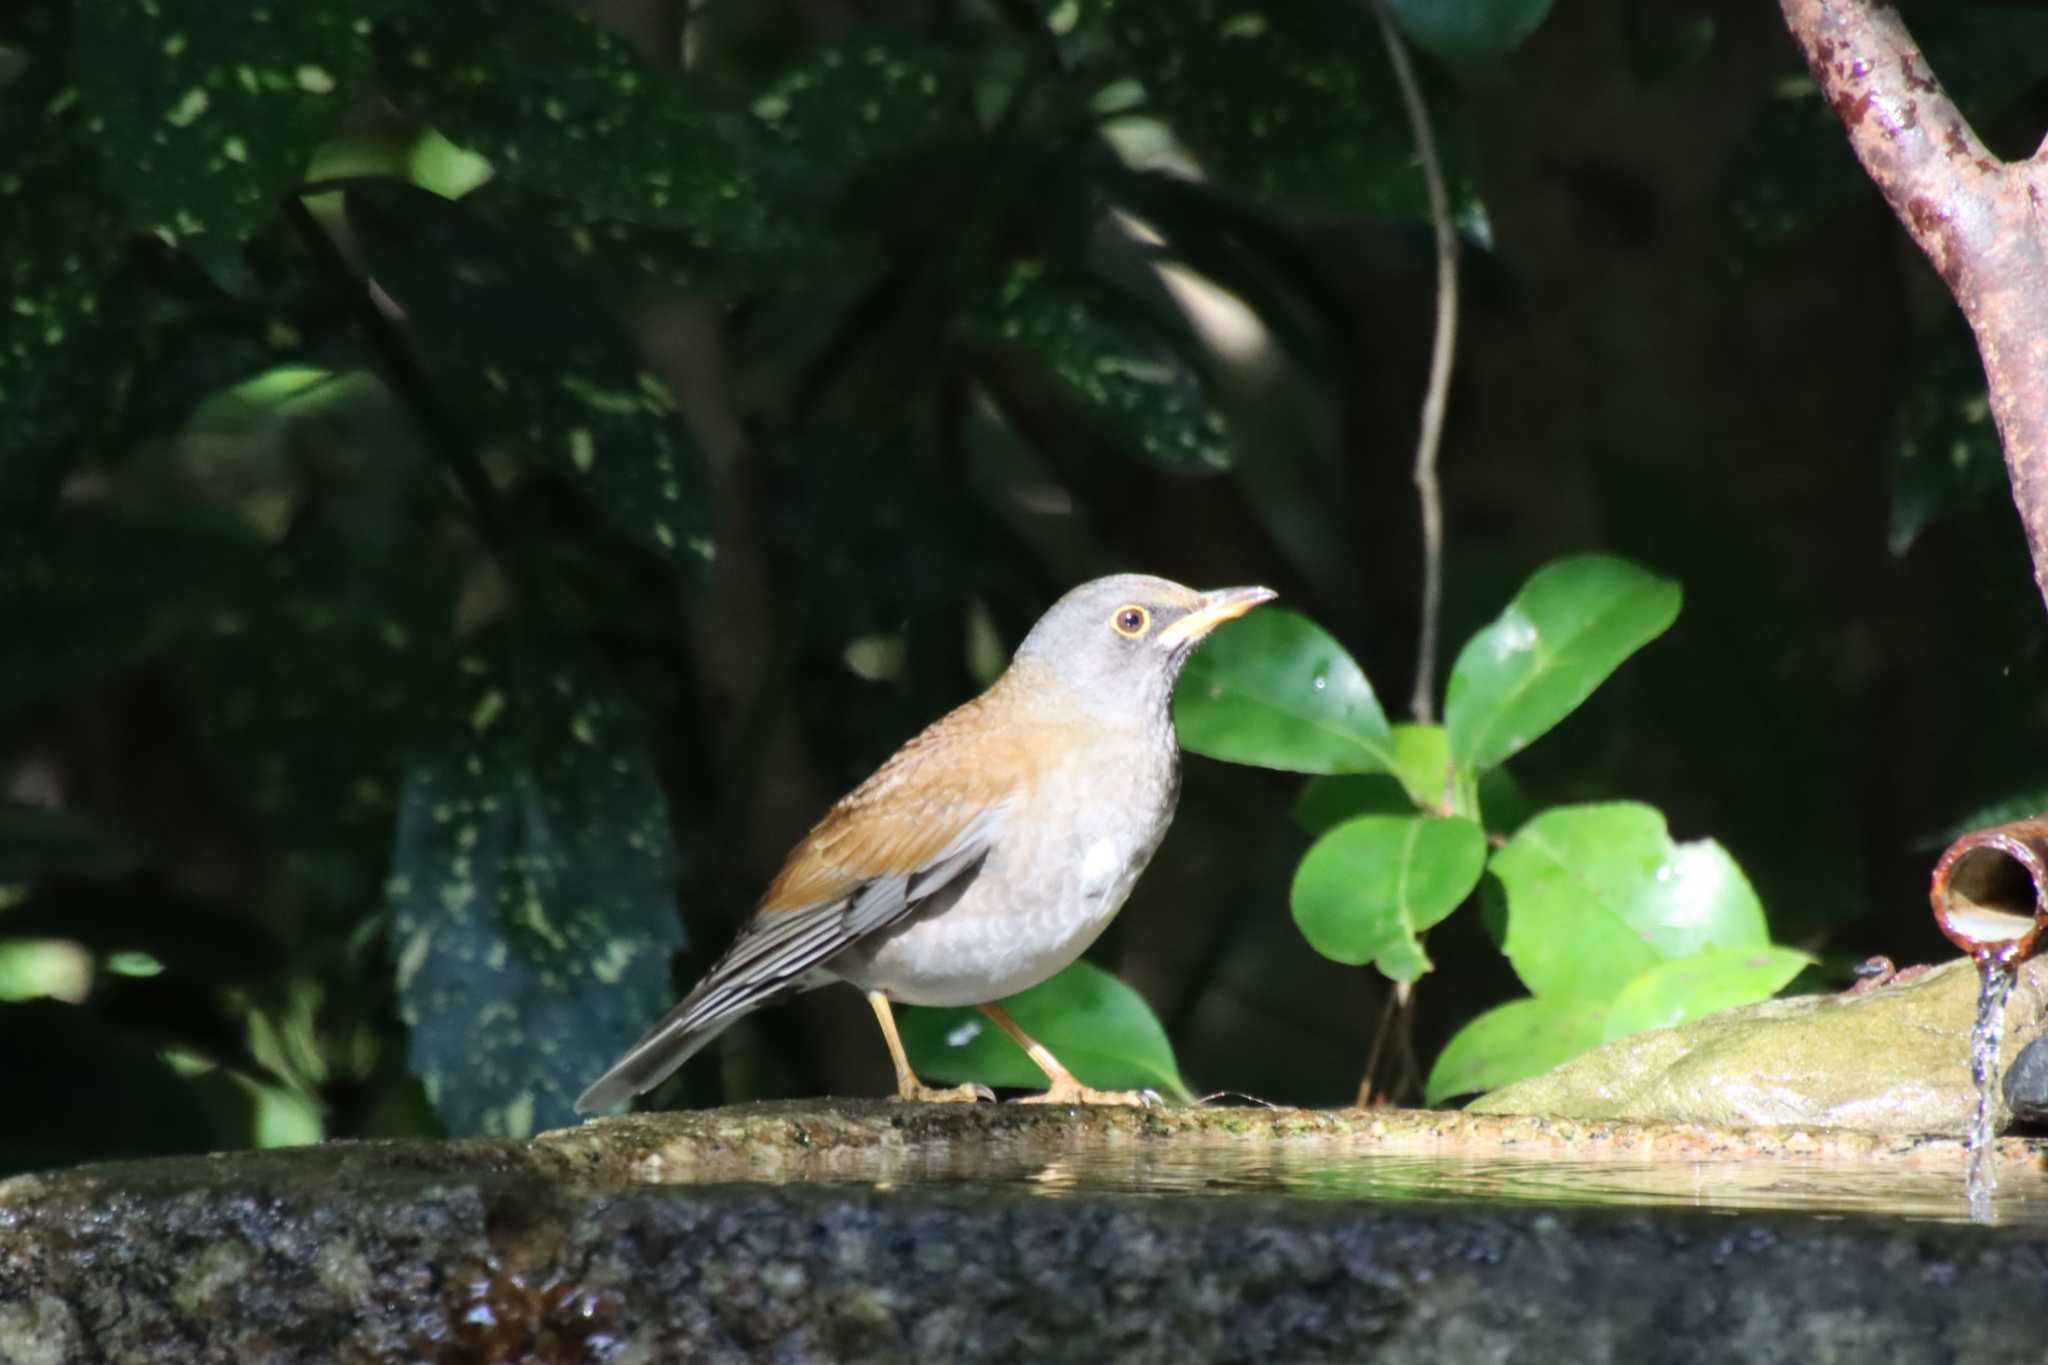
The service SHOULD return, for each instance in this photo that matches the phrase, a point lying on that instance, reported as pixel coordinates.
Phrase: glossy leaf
(1468, 30)
(1509, 1042)
(1571, 625)
(864, 99)
(1114, 360)
(532, 895)
(1599, 895)
(1292, 105)
(560, 104)
(1276, 690)
(525, 352)
(1369, 886)
(212, 110)
(1099, 1028)
(1326, 802)
(1690, 987)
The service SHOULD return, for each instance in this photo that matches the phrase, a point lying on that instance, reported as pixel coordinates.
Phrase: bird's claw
(971, 1093)
(1067, 1090)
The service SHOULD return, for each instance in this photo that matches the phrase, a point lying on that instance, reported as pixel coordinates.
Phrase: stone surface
(876, 1232)
(1890, 1059)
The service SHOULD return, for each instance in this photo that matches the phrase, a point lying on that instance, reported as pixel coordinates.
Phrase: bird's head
(1118, 643)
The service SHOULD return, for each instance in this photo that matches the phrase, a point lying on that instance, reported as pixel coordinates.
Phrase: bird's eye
(1131, 622)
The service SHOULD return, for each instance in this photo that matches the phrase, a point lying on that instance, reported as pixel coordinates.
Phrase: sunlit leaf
(1276, 690)
(526, 352)
(1099, 1028)
(1511, 1041)
(1690, 987)
(532, 893)
(1571, 625)
(1113, 359)
(211, 110)
(1368, 887)
(1326, 802)
(1599, 895)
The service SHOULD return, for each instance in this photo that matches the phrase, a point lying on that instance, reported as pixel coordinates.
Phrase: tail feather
(682, 1033)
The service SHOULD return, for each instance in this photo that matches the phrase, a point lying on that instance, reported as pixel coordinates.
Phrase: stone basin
(857, 1231)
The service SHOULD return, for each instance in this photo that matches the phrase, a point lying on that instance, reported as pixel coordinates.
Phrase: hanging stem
(1443, 352)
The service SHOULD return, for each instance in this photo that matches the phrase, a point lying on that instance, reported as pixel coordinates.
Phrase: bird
(987, 853)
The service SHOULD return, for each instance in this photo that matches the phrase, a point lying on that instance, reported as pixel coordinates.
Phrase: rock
(2026, 1083)
(864, 1231)
(1890, 1059)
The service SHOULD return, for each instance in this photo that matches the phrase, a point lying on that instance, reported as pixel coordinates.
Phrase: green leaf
(1099, 1028)
(1598, 895)
(863, 99)
(532, 894)
(525, 352)
(1468, 30)
(1422, 761)
(1521, 1038)
(1718, 979)
(1114, 359)
(1276, 690)
(1292, 105)
(212, 110)
(1571, 625)
(1326, 802)
(562, 105)
(1371, 885)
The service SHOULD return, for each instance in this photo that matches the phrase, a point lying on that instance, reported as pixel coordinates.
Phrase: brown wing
(921, 823)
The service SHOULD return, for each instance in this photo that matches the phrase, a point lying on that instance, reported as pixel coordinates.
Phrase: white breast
(1034, 907)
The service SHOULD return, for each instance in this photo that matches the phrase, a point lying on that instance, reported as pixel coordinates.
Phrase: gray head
(1119, 642)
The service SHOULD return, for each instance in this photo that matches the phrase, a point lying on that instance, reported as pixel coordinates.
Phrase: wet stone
(862, 1231)
(2026, 1083)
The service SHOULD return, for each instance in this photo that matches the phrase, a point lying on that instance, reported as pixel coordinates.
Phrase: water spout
(1990, 897)
(1990, 889)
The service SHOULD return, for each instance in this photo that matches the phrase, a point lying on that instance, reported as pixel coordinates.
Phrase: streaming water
(1997, 971)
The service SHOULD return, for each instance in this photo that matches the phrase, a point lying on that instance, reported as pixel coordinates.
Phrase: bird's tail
(683, 1032)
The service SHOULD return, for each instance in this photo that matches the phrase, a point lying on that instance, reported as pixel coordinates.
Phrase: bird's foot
(916, 1092)
(1067, 1090)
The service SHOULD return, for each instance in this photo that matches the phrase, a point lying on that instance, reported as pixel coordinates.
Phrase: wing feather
(920, 827)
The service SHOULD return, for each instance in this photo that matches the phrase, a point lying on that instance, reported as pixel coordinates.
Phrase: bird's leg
(908, 1086)
(1065, 1087)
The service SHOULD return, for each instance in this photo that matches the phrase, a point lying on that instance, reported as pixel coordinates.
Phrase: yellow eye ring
(1131, 621)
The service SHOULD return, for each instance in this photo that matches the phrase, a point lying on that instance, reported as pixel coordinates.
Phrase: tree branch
(1422, 702)
(1978, 219)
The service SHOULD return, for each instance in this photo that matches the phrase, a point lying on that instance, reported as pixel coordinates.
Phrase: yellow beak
(1224, 604)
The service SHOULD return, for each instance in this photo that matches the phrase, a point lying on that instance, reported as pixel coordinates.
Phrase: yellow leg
(1065, 1087)
(908, 1087)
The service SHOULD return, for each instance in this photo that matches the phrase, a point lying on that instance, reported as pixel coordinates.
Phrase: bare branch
(1978, 219)
(1422, 703)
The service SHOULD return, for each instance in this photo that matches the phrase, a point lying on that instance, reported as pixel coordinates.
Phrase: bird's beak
(1224, 604)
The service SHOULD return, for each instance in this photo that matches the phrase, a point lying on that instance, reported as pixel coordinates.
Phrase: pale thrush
(988, 852)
